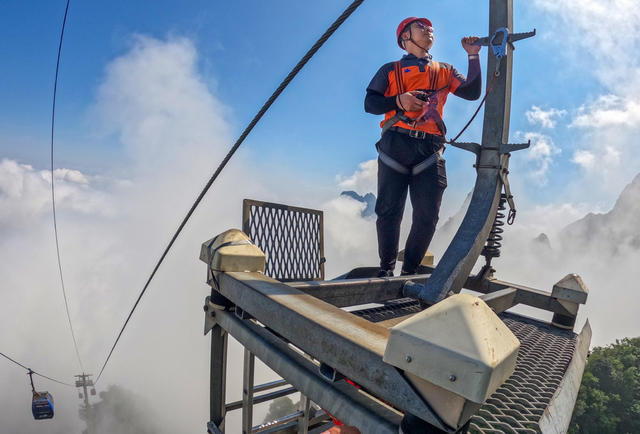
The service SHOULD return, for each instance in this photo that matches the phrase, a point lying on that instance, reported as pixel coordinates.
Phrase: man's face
(421, 33)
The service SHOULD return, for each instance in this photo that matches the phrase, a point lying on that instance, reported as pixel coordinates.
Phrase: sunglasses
(423, 27)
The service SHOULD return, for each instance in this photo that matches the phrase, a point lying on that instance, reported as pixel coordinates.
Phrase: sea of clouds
(174, 130)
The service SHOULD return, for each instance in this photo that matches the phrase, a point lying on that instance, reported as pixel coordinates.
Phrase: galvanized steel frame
(350, 345)
(500, 295)
(339, 398)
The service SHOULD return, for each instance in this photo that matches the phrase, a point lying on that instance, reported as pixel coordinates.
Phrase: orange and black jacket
(421, 74)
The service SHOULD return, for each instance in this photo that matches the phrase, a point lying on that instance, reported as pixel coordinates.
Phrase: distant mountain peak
(369, 199)
(610, 232)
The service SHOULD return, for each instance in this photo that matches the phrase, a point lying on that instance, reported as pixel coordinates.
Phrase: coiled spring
(494, 241)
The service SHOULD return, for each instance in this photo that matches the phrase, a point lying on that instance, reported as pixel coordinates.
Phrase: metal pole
(247, 392)
(457, 262)
(85, 381)
(218, 373)
(303, 421)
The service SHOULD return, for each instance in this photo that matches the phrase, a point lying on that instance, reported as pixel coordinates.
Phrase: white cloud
(609, 111)
(602, 162)
(155, 99)
(25, 194)
(598, 38)
(585, 159)
(540, 154)
(545, 118)
(364, 180)
(606, 31)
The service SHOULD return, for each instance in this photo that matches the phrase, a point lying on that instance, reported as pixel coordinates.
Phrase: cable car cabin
(42, 405)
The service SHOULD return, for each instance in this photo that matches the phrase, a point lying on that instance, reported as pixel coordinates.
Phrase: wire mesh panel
(292, 239)
(519, 404)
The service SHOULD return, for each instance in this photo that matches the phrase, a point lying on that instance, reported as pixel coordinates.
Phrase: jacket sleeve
(378, 104)
(468, 88)
(375, 102)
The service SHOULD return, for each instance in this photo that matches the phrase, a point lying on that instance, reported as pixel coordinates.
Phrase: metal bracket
(504, 172)
(330, 373)
(467, 146)
(210, 309)
(507, 148)
(498, 42)
(212, 428)
(504, 148)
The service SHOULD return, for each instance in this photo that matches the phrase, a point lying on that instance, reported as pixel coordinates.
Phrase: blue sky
(318, 127)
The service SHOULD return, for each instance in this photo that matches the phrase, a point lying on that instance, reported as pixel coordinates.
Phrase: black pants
(425, 190)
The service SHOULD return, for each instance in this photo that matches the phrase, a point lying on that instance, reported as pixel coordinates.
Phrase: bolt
(213, 314)
(452, 377)
(409, 359)
(206, 308)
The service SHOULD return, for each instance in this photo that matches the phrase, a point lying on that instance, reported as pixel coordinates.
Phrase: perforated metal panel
(518, 405)
(291, 238)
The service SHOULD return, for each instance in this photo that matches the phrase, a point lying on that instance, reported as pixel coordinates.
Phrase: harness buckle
(417, 134)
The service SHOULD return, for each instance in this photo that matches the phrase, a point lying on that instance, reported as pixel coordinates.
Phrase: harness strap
(429, 112)
(414, 170)
(400, 168)
(399, 116)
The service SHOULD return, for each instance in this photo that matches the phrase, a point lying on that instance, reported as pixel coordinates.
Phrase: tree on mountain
(120, 411)
(280, 407)
(609, 397)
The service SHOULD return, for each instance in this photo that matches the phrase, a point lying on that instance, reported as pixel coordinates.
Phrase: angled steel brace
(465, 248)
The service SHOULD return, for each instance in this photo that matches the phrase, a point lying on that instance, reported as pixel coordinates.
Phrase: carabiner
(500, 49)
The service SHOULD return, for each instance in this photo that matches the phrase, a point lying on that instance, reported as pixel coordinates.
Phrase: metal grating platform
(519, 404)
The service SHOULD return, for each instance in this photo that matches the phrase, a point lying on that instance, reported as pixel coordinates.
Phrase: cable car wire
(53, 190)
(35, 372)
(303, 61)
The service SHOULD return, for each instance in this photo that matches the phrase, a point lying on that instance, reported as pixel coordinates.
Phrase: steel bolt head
(452, 377)
(409, 359)
(206, 307)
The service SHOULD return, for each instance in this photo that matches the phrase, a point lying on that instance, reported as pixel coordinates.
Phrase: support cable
(303, 61)
(53, 191)
(37, 373)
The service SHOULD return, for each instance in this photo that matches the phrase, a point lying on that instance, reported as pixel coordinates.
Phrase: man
(412, 93)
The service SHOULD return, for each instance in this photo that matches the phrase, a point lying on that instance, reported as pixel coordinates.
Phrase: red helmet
(404, 23)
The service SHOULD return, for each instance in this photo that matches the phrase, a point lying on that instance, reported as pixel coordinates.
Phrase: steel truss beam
(339, 398)
(351, 292)
(350, 345)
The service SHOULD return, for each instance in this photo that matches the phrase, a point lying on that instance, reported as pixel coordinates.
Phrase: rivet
(409, 359)
(206, 307)
(452, 377)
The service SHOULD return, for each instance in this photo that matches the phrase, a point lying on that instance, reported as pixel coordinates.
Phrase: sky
(151, 97)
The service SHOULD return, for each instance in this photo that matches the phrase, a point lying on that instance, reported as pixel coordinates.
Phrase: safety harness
(428, 112)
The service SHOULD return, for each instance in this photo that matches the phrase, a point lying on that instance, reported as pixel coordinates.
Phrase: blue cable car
(42, 405)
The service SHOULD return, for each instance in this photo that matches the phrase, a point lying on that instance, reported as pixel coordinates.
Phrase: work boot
(404, 272)
(385, 273)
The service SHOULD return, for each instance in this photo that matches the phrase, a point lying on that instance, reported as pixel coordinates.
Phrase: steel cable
(53, 191)
(35, 372)
(303, 61)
